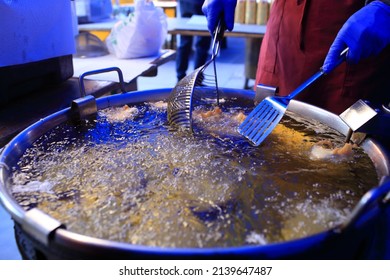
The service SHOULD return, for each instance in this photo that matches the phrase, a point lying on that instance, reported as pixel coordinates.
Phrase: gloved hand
(213, 9)
(366, 33)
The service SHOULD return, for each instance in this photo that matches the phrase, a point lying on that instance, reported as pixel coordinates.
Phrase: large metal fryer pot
(364, 235)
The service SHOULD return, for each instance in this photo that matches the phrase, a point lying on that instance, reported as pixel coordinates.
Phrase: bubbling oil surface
(138, 181)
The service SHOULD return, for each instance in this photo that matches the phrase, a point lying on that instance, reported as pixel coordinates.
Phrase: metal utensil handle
(217, 37)
(317, 75)
(342, 58)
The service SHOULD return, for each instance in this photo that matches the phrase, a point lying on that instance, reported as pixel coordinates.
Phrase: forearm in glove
(214, 9)
(366, 33)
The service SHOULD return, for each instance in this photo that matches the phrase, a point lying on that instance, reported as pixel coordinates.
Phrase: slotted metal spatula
(268, 113)
(186, 93)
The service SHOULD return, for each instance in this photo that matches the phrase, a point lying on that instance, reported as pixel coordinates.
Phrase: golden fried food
(326, 150)
(121, 113)
(346, 150)
(215, 112)
(240, 117)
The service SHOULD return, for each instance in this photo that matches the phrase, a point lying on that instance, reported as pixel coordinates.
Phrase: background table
(197, 26)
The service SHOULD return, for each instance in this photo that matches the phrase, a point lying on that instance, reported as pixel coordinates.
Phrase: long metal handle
(305, 84)
(218, 36)
(317, 75)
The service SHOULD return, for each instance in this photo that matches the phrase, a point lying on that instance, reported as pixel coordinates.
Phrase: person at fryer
(301, 34)
(187, 9)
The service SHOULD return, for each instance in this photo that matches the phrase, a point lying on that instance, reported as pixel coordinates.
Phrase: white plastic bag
(141, 34)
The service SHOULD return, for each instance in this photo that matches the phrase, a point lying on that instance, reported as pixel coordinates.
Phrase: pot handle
(376, 197)
(100, 71)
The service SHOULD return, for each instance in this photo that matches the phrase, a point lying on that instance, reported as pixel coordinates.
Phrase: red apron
(299, 34)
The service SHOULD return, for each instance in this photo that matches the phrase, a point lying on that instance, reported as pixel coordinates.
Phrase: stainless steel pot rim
(54, 231)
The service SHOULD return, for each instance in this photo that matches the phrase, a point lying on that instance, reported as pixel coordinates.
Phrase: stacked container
(252, 11)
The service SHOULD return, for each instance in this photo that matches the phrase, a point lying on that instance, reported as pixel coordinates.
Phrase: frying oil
(135, 179)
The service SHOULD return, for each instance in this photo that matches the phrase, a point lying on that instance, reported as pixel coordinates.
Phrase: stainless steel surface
(84, 107)
(386, 108)
(89, 45)
(364, 119)
(264, 91)
(58, 234)
(186, 94)
(373, 198)
(40, 225)
(358, 115)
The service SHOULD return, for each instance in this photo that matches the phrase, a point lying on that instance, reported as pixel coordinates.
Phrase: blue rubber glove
(366, 33)
(213, 9)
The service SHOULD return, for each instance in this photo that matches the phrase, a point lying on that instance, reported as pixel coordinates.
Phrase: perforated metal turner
(191, 90)
(268, 113)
